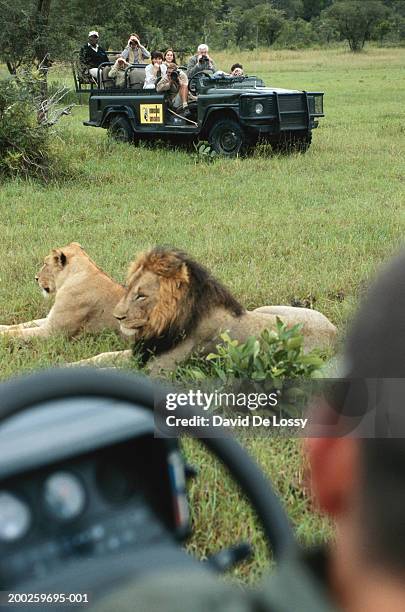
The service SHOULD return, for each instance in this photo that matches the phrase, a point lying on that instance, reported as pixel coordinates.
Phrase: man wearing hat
(92, 55)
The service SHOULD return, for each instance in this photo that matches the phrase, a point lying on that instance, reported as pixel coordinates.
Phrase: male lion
(173, 307)
(85, 296)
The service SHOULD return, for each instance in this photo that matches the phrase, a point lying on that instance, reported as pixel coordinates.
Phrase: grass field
(272, 228)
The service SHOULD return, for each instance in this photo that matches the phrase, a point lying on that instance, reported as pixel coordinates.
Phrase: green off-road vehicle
(232, 113)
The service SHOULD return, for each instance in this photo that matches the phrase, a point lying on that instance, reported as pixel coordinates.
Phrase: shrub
(203, 153)
(275, 355)
(26, 126)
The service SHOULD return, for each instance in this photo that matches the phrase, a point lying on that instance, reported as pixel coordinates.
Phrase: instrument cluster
(88, 506)
(63, 498)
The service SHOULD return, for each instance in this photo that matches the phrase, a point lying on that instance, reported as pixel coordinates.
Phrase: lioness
(173, 307)
(85, 296)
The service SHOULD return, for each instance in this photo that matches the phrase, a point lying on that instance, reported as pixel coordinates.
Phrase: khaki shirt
(167, 84)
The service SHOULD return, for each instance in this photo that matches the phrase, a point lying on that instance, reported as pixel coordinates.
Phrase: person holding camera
(134, 52)
(200, 61)
(92, 55)
(175, 82)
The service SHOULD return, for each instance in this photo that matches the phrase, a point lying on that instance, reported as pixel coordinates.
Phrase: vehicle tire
(292, 142)
(227, 138)
(120, 129)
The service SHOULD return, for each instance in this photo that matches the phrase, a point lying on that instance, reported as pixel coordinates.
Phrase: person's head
(170, 68)
(134, 40)
(360, 482)
(156, 57)
(202, 50)
(122, 63)
(237, 70)
(93, 37)
(170, 56)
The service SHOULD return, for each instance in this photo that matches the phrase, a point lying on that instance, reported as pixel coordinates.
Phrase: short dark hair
(156, 55)
(236, 66)
(376, 349)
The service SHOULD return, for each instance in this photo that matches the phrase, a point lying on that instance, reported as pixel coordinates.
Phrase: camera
(175, 75)
(203, 60)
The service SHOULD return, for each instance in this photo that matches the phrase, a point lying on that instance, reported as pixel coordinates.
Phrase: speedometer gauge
(15, 517)
(64, 496)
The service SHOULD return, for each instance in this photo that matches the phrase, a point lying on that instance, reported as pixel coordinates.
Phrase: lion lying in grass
(173, 307)
(85, 296)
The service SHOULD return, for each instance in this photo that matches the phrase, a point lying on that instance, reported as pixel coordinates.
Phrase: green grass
(272, 228)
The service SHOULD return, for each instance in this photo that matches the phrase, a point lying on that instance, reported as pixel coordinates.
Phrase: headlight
(259, 108)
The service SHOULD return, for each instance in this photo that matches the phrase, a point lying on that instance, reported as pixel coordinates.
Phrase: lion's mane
(188, 292)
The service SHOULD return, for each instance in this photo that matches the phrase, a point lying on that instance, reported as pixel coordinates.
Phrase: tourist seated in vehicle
(169, 57)
(175, 82)
(200, 61)
(237, 70)
(155, 70)
(92, 55)
(135, 52)
(117, 72)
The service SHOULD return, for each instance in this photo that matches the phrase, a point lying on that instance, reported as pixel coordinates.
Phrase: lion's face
(157, 286)
(46, 277)
(134, 310)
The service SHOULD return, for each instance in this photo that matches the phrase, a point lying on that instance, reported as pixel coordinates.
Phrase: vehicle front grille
(292, 102)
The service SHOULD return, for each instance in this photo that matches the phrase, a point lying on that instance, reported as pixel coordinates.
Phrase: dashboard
(81, 480)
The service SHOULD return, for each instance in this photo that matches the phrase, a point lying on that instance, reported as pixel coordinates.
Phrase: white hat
(93, 33)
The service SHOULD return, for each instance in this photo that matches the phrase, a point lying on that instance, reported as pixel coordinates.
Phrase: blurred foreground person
(359, 483)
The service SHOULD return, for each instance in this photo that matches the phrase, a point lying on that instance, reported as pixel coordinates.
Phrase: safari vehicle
(232, 113)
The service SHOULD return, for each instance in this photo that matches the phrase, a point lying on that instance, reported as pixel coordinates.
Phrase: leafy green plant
(275, 355)
(203, 153)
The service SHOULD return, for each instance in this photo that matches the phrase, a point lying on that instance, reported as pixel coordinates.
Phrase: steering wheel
(192, 84)
(21, 394)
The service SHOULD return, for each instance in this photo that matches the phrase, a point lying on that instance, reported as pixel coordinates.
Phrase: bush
(276, 355)
(23, 141)
(26, 127)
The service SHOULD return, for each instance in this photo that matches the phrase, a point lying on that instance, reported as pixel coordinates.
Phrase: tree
(291, 8)
(16, 35)
(270, 21)
(266, 21)
(24, 36)
(356, 19)
(313, 8)
(296, 34)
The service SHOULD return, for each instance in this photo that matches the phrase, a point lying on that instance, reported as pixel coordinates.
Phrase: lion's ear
(182, 275)
(59, 258)
(171, 266)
